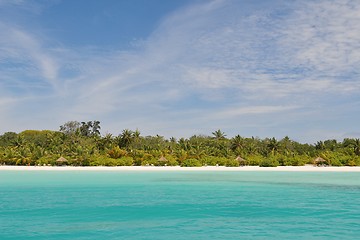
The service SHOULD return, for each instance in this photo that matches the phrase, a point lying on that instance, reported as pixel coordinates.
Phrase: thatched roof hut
(163, 159)
(319, 161)
(242, 162)
(61, 161)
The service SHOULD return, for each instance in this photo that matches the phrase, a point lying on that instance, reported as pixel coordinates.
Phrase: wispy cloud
(232, 112)
(214, 58)
(24, 56)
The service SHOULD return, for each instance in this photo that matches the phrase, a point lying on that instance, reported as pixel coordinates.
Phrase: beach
(307, 168)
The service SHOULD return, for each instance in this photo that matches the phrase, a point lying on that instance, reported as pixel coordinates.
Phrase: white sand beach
(308, 168)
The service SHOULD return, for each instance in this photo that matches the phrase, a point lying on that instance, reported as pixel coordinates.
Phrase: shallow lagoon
(179, 205)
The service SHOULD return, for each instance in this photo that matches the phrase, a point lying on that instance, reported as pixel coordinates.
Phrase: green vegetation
(81, 144)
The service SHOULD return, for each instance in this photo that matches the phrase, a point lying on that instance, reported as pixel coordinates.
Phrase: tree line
(81, 144)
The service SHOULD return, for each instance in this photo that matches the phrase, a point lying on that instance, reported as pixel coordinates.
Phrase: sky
(183, 67)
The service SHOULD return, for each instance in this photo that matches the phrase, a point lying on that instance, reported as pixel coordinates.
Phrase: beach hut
(319, 161)
(242, 162)
(163, 161)
(61, 161)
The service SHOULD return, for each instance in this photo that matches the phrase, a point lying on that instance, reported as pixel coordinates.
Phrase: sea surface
(179, 205)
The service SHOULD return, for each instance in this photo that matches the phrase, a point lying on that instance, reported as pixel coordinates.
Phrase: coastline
(308, 168)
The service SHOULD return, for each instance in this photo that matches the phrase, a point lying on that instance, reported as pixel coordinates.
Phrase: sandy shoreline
(208, 168)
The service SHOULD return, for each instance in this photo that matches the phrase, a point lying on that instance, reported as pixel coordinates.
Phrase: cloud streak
(207, 64)
(25, 54)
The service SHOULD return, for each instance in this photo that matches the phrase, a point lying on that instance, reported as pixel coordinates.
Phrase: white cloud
(324, 35)
(208, 77)
(267, 59)
(11, 2)
(27, 54)
(261, 110)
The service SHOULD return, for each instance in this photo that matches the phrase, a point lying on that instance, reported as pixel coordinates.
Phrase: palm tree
(85, 128)
(273, 145)
(355, 144)
(19, 141)
(252, 145)
(96, 128)
(197, 152)
(184, 144)
(136, 134)
(105, 142)
(126, 138)
(237, 143)
(218, 135)
(320, 145)
(287, 144)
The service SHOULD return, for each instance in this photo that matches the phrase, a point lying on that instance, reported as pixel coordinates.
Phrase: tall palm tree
(218, 135)
(105, 142)
(355, 144)
(136, 134)
(237, 143)
(320, 145)
(197, 152)
(287, 145)
(273, 145)
(126, 138)
(96, 128)
(252, 145)
(85, 128)
(184, 144)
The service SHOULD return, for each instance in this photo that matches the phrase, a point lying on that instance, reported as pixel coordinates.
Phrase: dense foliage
(81, 144)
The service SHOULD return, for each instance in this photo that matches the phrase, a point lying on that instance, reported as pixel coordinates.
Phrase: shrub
(47, 159)
(254, 160)
(148, 159)
(117, 152)
(297, 160)
(191, 162)
(269, 162)
(209, 160)
(111, 162)
(222, 161)
(232, 163)
(125, 161)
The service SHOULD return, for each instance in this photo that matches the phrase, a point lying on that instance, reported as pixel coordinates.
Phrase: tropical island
(81, 144)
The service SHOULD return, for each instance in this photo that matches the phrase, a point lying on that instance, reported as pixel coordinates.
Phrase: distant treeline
(81, 144)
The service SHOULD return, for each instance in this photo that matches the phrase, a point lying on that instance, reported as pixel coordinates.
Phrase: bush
(125, 161)
(297, 160)
(80, 161)
(209, 161)
(232, 163)
(220, 161)
(172, 160)
(269, 162)
(191, 162)
(117, 152)
(47, 159)
(147, 159)
(254, 160)
(353, 161)
(111, 162)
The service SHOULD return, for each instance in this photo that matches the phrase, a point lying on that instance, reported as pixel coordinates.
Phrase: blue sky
(177, 68)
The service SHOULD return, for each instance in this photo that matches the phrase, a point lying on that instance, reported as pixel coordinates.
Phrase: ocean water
(179, 205)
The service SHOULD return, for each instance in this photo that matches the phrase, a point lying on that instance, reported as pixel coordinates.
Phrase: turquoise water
(179, 205)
